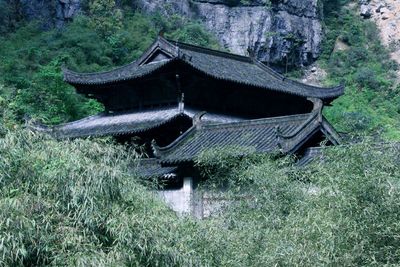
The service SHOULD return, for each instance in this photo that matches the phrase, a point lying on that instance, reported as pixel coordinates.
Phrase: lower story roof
(282, 134)
(150, 168)
(128, 122)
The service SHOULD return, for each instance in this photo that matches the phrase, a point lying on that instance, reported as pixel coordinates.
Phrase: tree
(106, 18)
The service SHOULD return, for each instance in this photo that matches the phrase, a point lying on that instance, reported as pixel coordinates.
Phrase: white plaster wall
(200, 204)
(179, 200)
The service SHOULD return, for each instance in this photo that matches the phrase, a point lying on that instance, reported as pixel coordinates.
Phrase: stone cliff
(54, 12)
(386, 15)
(287, 32)
(283, 32)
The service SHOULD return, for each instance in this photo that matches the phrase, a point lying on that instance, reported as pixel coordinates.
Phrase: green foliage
(364, 66)
(10, 17)
(195, 34)
(223, 172)
(105, 17)
(31, 59)
(343, 211)
(77, 203)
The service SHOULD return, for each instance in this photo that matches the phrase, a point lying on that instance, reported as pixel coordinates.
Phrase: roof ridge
(159, 151)
(158, 65)
(66, 70)
(337, 87)
(109, 115)
(255, 121)
(209, 51)
(311, 119)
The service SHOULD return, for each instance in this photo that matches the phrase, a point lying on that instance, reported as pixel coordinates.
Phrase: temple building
(179, 100)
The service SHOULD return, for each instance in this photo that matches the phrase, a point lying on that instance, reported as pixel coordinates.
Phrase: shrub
(339, 211)
(366, 77)
(75, 203)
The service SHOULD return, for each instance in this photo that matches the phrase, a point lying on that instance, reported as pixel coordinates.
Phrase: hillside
(81, 203)
(354, 55)
(385, 14)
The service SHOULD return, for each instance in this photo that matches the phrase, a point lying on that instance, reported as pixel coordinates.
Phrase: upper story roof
(216, 64)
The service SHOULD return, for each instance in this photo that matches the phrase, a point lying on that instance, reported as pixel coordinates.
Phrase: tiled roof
(128, 122)
(150, 168)
(285, 134)
(127, 72)
(216, 64)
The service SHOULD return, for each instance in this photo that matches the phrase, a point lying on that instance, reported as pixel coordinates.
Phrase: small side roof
(216, 64)
(282, 134)
(150, 168)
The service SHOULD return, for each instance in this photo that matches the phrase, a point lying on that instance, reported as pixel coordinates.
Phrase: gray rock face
(50, 12)
(288, 32)
(66, 10)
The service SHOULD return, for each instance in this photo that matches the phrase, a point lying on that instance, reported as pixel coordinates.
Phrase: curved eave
(317, 92)
(124, 73)
(271, 81)
(59, 133)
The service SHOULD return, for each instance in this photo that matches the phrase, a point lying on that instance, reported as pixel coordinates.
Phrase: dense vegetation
(31, 59)
(354, 55)
(79, 203)
(76, 203)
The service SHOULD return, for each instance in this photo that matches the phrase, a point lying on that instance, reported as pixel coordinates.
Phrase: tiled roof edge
(61, 136)
(73, 80)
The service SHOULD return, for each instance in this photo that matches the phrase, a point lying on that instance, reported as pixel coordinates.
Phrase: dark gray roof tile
(129, 122)
(219, 65)
(150, 168)
(260, 136)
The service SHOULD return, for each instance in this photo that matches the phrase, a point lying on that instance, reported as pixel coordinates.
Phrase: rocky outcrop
(50, 13)
(365, 9)
(287, 32)
(66, 10)
(386, 15)
(281, 32)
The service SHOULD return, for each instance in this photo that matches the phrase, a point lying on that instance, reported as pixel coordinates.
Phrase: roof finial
(318, 105)
(251, 52)
(182, 103)
(161, 33)
(197, 119)
(278, 136)
(155, 148)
